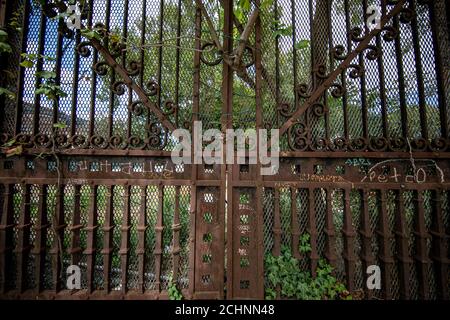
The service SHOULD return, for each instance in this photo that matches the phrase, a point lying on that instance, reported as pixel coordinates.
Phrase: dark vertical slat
(58, 242)
(39, 65)
(143, 31)
(439, 252)
(74, 102)
(23, 239)
(176, 227)
(160, 51)
(349, 242)
(405, 261)
(6, 235)
(226, 123)
(312, 229)
(177, 63)
(365, 120)
(401, 79)
(382, 85)
(330, 249)
(194, 168)
(442, 91)
(93, 78)
(277, 66)
(75, 245)
(112, 78)
(91, 229)
(159, 243)
(421, 237)
(41, 238)
(277, 224)
(367, 257)
(384, 245)
(108, 243)
(343, 75)
(331, 61)
(419, 72)
(59, 53)
(294, 222)
(125, 239)
(21, 75)
(258, 220)
(142, 227)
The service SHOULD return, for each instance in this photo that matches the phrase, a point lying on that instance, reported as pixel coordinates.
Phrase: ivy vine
(284, 272)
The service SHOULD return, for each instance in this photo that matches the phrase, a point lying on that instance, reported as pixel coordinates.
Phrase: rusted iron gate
(364, 161)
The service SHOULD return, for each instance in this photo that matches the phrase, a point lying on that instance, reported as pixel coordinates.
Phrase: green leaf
(303, 44)
(60, 125)
(4, 47)
(11, 95)
(27, 64)
(46, 74)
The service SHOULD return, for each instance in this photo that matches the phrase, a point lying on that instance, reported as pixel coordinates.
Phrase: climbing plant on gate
(284, 272)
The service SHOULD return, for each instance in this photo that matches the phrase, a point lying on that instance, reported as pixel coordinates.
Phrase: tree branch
(245, 35)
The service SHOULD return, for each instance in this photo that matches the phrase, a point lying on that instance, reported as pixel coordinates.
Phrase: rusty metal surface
(364, 167)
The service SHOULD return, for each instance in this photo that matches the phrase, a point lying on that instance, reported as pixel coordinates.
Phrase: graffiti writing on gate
(146, 169)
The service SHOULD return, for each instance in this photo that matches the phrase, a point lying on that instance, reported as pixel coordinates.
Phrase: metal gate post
(227, 123)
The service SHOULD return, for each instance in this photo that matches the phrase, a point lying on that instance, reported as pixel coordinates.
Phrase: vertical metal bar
(294, 222)
(382, 86)
(349, 242)
(108, 243)
(259, 220)
(6, 235)
(277, 66)
(23, 239)
(385, 251)
(93, 78)
(58, 242)
(312, 226)
(91, 231)
(331, 61)
(401, 80)
(441, 89)
(177, 64)
(401, 241)
(226, 123)
(176, 227)
(194, 168)
(143, 31)
(367, 257)
(124, 62)
(419, 72)
(125, 239)
(439, 253)
(158, 244)
(422, 259)
(160, 52)
(21, 75)
(41, 238)
(2, 13)
(59, 53)
(365, 119)
(330, 252)
(39, 65)
(74, 102)
(276, 251)
(112, 96)
(294, 51)
(75, 246)
(142, 227)
(343, 75)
